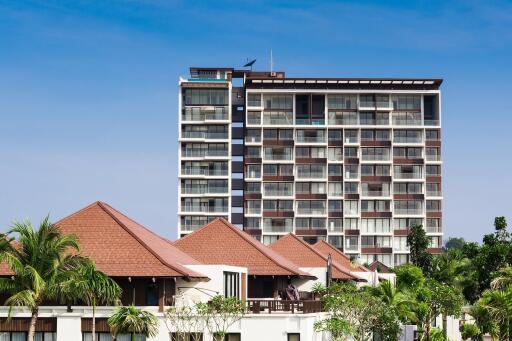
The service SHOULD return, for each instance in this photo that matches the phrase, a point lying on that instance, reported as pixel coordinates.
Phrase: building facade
(354, 162)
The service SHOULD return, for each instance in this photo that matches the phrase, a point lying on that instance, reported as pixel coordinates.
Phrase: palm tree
(399, 299)
(131, 320)
(499, 305)
(92, 287)
(504, 279)
(41, 261)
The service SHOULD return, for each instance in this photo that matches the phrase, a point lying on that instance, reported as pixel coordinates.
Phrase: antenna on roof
(250, 63)
(271, 62)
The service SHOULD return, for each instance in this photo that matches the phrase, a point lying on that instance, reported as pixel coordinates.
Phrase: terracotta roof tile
(121, 247)
(326, 248)
(304, 255)
(219, 242)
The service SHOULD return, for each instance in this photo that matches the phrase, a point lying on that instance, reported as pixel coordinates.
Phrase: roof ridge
(261, 248)
(106, 208)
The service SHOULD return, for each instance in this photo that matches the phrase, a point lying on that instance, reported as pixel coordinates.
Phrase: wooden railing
(272, 306)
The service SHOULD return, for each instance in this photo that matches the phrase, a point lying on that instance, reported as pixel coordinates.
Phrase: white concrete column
(69, 327)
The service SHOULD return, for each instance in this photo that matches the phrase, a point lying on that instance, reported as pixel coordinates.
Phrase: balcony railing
(203, 171)
(310, 175)
(375, 193)
(433, 157)
(351, 247)
(277, 229)
(434, 193)
(253, 139)
(275, 193)
(408, 176)
(253, 210)
(374, 121)
(204, 190)
(204, 135)
(344, 121)
(434, 229)
(408, 211)
(312, 211)
(407, 139)
(434, 123)
(201, 114)
(376, 157)
(204, 209)
(254, 120)
(283, 306)
(311, 139)
(203, 153)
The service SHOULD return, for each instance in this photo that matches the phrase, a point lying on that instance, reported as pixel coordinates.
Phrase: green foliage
(454, 243)
(471, 332)
(418, 243)
(133, 321)
(42, 260)
(220, 313)
(184, 320)
(357, 313)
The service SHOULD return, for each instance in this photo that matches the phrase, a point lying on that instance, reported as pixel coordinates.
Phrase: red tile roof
(305, 256)
(219, 242)
(121, 247)
(338, 256)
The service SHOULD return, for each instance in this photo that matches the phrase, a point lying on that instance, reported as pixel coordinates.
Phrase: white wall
(193, 292)
(307, 284)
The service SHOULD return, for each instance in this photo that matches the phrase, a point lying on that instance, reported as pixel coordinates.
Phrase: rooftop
(220, 242)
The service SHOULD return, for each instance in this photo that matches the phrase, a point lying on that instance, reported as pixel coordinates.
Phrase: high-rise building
(352, 161)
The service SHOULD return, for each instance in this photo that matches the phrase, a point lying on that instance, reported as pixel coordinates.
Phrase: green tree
(357, 313)
(454, 243)
(418, 243)
(220, 313)
(92, 287)
(400, 300)
(184, 321)
(133, 321)
(471, 332)
(41, 260)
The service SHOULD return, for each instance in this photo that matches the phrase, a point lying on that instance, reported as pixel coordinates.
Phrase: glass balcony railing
(203, 153)
(434, 193)
(376, 157)
(312, 211)
(276, 193)
(278, 229)
(417, 176)
(204, 135)
(204, 171)
(408, 139)
(204, 209)
(311, 139)
(204, 190)
(375, 193)
(433, 157)
(201, 114)
(409, 211)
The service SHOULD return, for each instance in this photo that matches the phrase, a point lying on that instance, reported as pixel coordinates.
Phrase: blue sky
(88, 91)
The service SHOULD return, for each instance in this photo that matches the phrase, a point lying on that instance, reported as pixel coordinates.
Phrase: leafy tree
(220, 313)
(92, 287)
(400, 300)
(133, 321)
(471, 332)
(41, 260)
(418, 243)
(357, 313)
(454, 243)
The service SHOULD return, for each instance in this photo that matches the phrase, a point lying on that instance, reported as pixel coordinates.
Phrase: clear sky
(88, 91)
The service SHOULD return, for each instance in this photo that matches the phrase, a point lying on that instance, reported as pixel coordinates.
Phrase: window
(205, 97)
(335, 135)
(375, 225)
(432, 135)
(278, 205)
(433, 205)
(406, 102)
(253, 187)
(351, 207)
(433, 170)
(278, 101)
(351, 224)
(254, 100)
(108, 337)
(335, 154)
(252, 223)
(350, 151)
(335, 225)
(401, 259)
(351, 171)
(404, 223)
(375, 206)
(253, 135)
(253, 171)
(231, 284)
(351, 187)
(342, 101)
(336, 189)
(335, 170)
(351, 136)
(293, 337)
(400, 243)
(335, 206)
(267, 240)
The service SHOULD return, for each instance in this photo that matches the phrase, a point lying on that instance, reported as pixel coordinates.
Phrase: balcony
(311, 211)
(374, 121)
(310, 175)
(278, 228)
(432, 123)
(278, 119)
(204, 114)
(433, 157)
(408, 176)
(253, 210)
(409, 211)
(204, 190)
(407, 120)
(434, 193)
(204, 135)
(204, 153)
(311, 139)
(204, 171)
(204, 209)
(376, 157)
(375, 193)
(434, 229)
(408, 139)
(278, 193)
(283, 306)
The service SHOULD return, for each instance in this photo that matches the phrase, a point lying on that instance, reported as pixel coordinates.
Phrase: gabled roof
(121, 247)
(305, 256)
(219, 242)
(325, 248)
(380, 267)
